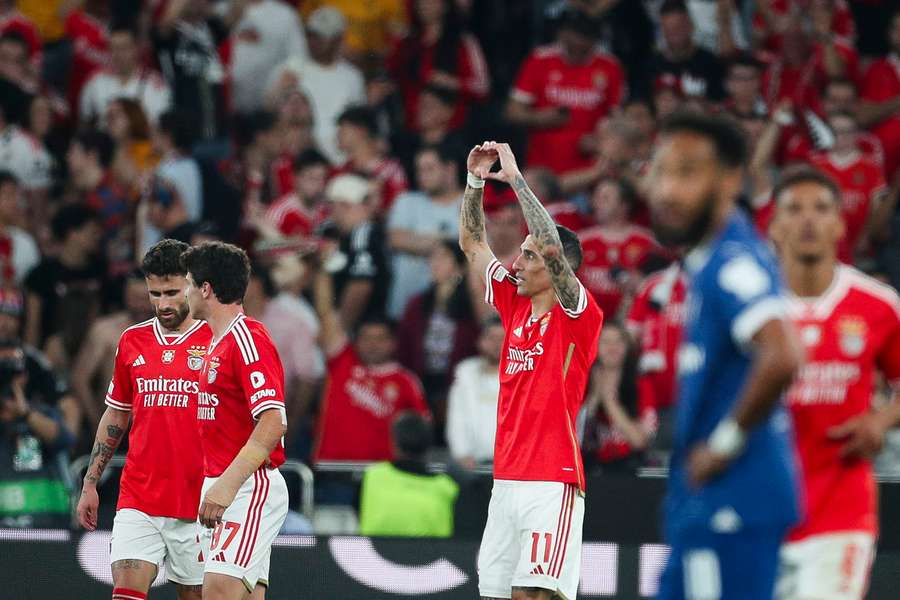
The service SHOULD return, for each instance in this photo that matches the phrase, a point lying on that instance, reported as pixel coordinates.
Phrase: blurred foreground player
(242, 420)
(155, 384)
(850, 326)
(732, 486)
(532, 540)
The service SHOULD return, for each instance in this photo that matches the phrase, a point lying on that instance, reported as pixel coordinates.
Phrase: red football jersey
(292, 218)
(849, 332)
(241, 378)
(589, 91)
(861, 181)
(90, 39)
(656, 319)
(155, 378)
(842, 24)
(544, 370)
(360, 405)
(606, 254)
(565, 213)
(882, 83)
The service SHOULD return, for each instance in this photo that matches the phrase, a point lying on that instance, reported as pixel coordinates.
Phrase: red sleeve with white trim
(259, 368)
(120, 391)
(529, 83)
(500, 291)
(889, 357)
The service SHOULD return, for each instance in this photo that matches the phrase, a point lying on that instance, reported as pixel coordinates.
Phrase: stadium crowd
(328, 138)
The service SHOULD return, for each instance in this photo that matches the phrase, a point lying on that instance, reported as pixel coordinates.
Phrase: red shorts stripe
(559, 521)
(244, 536)
(557, 569)
(252, 512)
(258, 519)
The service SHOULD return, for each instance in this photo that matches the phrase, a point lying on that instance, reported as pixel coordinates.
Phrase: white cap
(348, 188)
(327, 22)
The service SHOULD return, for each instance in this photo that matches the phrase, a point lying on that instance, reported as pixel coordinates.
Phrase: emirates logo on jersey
(168, 356)
(519, 360)
(852, 336)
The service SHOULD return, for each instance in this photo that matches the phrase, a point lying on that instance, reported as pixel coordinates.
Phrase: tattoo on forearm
(543, 230)
(472, 214)
(102, 453)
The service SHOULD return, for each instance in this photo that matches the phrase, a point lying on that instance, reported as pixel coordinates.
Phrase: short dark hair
(801, 173)
(179, 127)
(744, 59)
(452, 246)
(224, 266)
(309, 158)
(445, 95)
(724, 133)
(124, 26)
(673, 6)
(412, 433)
(262, 273)
(360, 116)
(71, 217)
(578, 21)
(628, 193)
(164, 259)
(571, 246)
(378, 320)
(99, 143)
(8, 177)
(16, 38)
(445, 152)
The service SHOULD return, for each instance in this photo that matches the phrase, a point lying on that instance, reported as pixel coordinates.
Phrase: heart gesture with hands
(483, 157)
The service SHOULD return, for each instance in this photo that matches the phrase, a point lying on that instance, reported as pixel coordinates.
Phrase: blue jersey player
(732, 485)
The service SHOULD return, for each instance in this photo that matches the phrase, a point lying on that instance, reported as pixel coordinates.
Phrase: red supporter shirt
(849, 332)
(16, 22)
(589, 91)
(567, 214)
(861, 182)
(90, 39)
(882, 83)
(360, 405)
(241, 378)
(656, 318)
(804, 84)
(388, 175)
(606, 252)
(544, 369)
(155, 378)
(842, 24)
(293, 219)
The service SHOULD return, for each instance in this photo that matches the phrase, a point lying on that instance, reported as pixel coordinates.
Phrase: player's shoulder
(249, 335)
(138, 331)
(636, 232)
(869, 291)
(548, 52)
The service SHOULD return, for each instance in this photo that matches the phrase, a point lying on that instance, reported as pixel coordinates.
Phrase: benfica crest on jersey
(852, 336)
(168, 356)
(211, 375)
(544, 322)
(195, 357)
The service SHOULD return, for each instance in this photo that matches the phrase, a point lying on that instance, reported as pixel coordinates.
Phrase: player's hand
(704, 465)
(863, 436)
(481, 158)
(509, 169)
(87, 507)
(216, 500)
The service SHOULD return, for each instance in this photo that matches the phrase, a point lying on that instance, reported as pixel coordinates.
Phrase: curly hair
(224, 266)
(164, 259)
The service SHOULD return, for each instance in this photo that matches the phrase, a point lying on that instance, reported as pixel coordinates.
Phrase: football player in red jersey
(154, 384)
(532, 540)
(850, 326)
(242, 421)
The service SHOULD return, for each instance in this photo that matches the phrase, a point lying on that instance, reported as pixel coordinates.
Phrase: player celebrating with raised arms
(155, 384)
(850, 326)
(732, 489)
(532, 540)
(242, 420)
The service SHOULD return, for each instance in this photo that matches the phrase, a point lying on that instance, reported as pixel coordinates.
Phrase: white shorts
(829, 566)
(240, 546)
(139, 536)
(532, 538)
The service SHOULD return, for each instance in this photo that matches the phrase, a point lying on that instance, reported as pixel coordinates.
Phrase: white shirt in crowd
(294, 328)
(418, 213)
(183, 174)
(268, 33)
(472, 410)
(147, 87)
(330, 90)
(24, 252)
(24, 156)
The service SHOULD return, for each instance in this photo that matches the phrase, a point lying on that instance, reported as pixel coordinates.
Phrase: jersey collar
(228, 329)
(163, 338)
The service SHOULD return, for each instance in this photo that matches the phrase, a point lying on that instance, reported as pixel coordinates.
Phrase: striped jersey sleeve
(259, 368)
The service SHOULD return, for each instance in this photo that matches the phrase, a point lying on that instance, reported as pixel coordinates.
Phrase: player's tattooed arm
(543, 231)
(472, 216)
(109, 436)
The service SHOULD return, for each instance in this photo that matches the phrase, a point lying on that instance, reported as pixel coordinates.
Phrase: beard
(691, 235)
(174, 320)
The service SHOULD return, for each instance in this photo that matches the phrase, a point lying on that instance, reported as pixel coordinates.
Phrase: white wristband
(474, 181)
(727, 439)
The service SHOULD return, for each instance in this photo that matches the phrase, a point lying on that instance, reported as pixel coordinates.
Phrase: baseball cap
(348, 188)
(327, 22)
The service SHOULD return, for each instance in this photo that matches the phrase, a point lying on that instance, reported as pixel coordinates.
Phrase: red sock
(121, 593)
